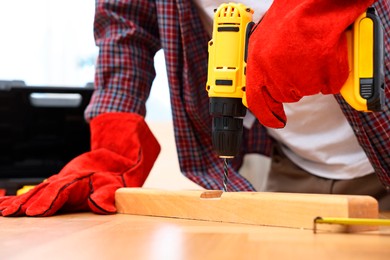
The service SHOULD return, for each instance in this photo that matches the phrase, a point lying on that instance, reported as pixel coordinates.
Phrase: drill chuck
(227, 126)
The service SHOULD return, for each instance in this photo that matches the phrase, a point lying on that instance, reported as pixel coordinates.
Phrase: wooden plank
(293, 210)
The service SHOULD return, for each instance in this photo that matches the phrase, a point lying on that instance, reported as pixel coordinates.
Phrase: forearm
(126, 33)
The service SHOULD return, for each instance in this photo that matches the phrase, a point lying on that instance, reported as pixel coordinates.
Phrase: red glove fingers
(95, 192)
(17, 205)
(102, 197)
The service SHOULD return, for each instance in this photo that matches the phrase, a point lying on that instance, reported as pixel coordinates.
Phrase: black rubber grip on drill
(227, 128)
(231, 107)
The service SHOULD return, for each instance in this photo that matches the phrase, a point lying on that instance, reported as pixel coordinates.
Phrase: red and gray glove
(298, 49)
(123, 151)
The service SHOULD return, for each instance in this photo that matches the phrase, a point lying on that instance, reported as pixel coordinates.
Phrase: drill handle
(364, 88)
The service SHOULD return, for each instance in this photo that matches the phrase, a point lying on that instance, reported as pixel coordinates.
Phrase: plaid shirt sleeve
(127, 35)
(372, 129)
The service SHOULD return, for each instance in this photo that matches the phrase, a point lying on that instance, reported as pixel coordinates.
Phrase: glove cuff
(128, 135)
(119, 132)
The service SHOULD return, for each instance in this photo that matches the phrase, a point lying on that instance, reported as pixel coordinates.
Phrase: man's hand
(298, 49)
(123, 151)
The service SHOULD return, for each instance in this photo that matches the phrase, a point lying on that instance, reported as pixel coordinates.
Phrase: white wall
(47, 42)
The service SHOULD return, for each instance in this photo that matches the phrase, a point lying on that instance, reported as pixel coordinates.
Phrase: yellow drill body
(227, 51)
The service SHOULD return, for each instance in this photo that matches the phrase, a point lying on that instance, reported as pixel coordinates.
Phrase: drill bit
(225, 174)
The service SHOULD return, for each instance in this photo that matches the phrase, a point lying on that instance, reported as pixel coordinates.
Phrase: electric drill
(363, 90)
(226, 76)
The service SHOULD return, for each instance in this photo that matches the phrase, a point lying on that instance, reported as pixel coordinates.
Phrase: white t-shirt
(317, 136)
(319, 139)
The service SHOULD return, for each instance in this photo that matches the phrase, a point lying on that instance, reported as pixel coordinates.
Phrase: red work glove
(298, 49)
(123, 151)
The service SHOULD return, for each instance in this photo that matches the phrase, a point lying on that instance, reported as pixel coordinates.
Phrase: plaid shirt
(129, 33)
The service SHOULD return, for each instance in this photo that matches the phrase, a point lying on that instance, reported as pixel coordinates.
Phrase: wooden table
(90, 236)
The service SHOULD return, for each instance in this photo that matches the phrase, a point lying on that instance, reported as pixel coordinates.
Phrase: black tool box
(41, 129)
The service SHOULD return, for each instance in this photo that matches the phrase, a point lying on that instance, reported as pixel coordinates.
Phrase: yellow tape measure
(351, 221)
(24, 189)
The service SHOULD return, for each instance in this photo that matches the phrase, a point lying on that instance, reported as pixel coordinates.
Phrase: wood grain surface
(121, 236)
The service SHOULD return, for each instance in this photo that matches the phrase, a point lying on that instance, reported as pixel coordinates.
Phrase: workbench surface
(120, 236)
(89, 236)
